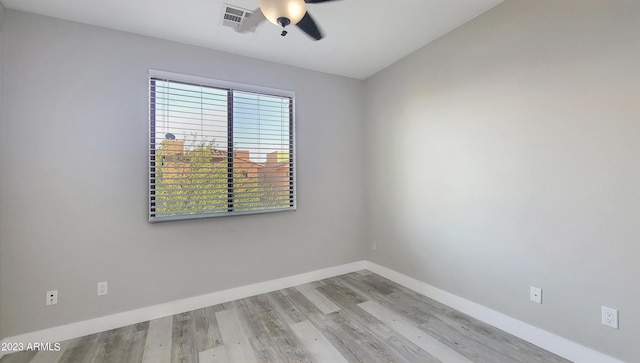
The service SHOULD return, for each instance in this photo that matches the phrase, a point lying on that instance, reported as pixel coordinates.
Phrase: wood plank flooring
(357, 317)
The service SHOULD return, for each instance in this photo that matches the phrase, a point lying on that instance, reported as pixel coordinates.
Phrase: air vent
(233, 15)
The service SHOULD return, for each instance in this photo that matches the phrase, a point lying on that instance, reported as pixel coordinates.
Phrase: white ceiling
(361, 36)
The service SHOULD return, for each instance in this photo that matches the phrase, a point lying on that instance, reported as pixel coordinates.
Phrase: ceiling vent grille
(232, 16)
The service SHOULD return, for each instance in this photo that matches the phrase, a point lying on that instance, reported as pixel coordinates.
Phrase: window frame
(230, 87)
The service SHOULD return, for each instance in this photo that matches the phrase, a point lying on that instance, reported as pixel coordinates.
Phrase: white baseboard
(551, 342)
(104, 323)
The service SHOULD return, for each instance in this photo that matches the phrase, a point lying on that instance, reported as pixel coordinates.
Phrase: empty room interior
(320, 181)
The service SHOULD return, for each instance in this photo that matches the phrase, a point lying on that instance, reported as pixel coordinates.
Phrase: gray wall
(505, 155)
(2, 51)
(75, 178)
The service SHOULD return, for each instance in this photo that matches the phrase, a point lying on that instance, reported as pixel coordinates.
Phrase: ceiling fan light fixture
(293, 10)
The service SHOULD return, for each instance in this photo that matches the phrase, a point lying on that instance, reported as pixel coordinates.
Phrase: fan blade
(252, 21)
(316, 1)
(308, 25)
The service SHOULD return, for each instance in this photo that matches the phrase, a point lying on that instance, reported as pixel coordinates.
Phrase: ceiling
(362, 36)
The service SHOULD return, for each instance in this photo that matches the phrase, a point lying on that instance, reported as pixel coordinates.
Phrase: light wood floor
(357, 317)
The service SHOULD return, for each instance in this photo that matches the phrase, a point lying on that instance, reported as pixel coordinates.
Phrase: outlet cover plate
(52, 297)
(610, 317)
(535, 294)
(103, 288)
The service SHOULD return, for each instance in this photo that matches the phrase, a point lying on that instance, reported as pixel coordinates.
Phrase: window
(218, 148)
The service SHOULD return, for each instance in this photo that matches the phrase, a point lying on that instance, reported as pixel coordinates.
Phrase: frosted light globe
(293, 10)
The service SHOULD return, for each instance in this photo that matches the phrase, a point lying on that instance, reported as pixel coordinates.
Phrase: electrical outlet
(103, 288)
(374, 245)
(535, 294)
(52, 297)
(610, 317)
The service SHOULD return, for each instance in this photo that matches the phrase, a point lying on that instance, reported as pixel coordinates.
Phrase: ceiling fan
(284, 13)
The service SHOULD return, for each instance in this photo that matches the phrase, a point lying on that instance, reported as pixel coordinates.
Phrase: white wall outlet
(535, 294)
(374, 245)
(610, 317)
(52, 297)
(103, 288)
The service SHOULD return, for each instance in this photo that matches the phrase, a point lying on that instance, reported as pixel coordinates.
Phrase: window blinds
(218, 151)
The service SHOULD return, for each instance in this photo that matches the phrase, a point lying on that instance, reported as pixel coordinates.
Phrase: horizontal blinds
(218, 151)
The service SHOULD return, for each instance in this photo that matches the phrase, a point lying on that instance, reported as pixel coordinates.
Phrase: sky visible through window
(198, 114)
